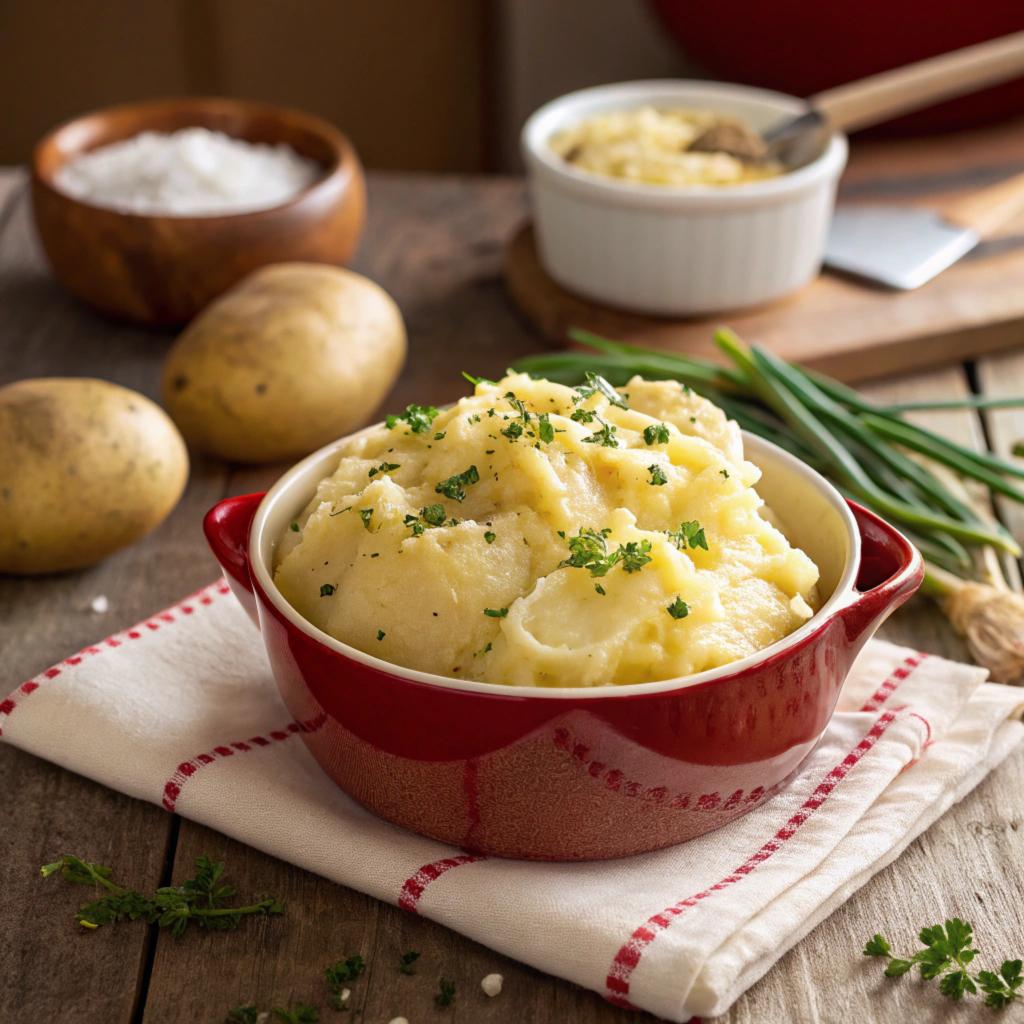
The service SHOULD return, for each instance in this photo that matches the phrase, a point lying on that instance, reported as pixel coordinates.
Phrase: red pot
(801, 48)
(570, 774)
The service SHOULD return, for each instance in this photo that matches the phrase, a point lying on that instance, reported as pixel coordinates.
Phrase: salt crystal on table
(100, 605)
(492, 984)
(193, 172)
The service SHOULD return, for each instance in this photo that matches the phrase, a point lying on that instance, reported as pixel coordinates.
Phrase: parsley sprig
(447, 993)
(947, 955)
(656, 434)
(689, 535)
(405, 965)
(201, 900)
(597, 385)
(455, 486)
(589, 550)
(419, 418)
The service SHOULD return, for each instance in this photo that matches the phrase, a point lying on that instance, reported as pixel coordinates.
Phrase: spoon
(798, 140)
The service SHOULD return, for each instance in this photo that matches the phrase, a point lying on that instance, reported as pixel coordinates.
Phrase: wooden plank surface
(436, 245)
(850, 330)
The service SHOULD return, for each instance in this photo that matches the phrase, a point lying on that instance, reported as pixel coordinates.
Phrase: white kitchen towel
(190, 718)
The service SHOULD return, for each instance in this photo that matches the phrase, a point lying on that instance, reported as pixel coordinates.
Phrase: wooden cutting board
(850, 330)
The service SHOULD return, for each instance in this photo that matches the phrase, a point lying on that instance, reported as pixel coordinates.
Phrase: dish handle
(226, 526)
(891, 570)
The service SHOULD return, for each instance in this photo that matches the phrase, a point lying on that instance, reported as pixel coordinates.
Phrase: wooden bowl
(163, 270)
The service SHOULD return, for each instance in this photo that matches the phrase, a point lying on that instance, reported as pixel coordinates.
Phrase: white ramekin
(678, 250)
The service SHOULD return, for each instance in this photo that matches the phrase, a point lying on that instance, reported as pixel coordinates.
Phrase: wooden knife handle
(884, 96)
(988, 210)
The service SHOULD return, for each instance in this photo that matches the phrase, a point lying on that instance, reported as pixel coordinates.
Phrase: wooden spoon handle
(884, 96)
(988, 210)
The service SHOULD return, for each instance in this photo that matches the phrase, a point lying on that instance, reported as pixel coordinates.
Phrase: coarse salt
(193, 172)
(100, 604)
(492, 984)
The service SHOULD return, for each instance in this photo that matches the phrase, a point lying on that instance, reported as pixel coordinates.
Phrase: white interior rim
(839, 599)
(535, 138)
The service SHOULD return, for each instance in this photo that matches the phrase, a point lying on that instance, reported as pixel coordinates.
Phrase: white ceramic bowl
(678, 250)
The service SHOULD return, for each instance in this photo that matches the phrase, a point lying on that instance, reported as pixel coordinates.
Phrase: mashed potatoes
(653, 146)
(536, 534)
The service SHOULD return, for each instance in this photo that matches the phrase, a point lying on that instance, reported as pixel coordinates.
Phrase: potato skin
(86, 468)
(294, 356)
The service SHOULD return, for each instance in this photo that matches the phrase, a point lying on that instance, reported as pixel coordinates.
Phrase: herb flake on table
(302, 1014)
(447, 993)
(201, 900)
(408, 959)
(246, 1014)
(418, 417)
(947, 954)
(343, 973)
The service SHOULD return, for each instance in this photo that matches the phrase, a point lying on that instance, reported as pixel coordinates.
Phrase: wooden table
(435, 244)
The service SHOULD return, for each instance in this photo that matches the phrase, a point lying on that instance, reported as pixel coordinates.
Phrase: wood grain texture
(436, 245)
(852, 331)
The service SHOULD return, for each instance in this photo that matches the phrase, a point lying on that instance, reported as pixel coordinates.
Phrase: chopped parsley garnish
(589, 550)
(656, 434)
(513, 431)
(483, 652)
(657, 475)
(496, 613)
(545, 428)
(583, 416)
(366, 514)
(439, 436)
(689, 535)
(419, 418)
(295, 527)
(408, 959)
(633, 555)
(490, 537)
(519, 406)
(433, 515)
(561, 533)
(341, 974)
(678, 609)
(473, 419)
(327, 589)
(414, 522)
(381, 634)
(304, 1013)
(724, 473)
(598, 385)
(347, 508)
(605, 437)
(474, 381)
(490, 451)
(599, 589)
(454, 486)
(447, 993)
(384, 467)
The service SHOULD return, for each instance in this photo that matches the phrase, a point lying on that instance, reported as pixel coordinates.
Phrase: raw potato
(86, 468)
(294, 356)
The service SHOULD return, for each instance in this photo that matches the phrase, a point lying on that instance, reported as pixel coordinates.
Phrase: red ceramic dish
(570, 774)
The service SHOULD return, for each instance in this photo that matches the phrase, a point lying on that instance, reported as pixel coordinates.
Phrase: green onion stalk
(908, 475)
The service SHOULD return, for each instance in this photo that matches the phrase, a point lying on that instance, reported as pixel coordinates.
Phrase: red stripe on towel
(628, 956)
(413, 888)
(172, 614)
(888, 688)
